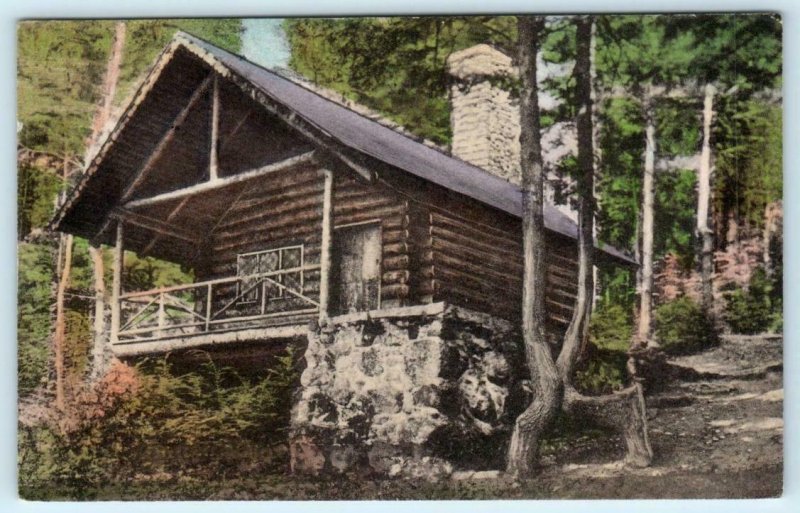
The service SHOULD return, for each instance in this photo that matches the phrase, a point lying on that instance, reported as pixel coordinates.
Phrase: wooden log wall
(286, 209)
(470, 255)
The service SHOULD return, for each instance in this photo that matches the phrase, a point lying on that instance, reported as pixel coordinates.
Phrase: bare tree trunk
(648, 206)
(704, 232)
(578, 330)
(59, 338)
(63, 271)
(624, 410)
(547, 387)
(109, 88)
(110, 82)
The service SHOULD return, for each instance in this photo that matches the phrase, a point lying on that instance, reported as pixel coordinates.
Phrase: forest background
(60, 73)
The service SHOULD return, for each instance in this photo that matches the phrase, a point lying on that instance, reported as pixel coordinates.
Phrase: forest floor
(716, 433)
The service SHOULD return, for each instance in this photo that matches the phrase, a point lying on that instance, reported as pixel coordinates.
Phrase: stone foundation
(416, 392)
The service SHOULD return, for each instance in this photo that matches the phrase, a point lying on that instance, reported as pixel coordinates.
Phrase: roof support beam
(213, 157)
(326, 250)
(155, 225)
(223, 182)
(170, 217)
(145, 170)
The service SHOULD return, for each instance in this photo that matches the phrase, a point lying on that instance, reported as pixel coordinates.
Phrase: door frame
(378, 222)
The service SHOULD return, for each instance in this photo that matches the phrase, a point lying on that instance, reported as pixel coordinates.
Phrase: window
(262, 271)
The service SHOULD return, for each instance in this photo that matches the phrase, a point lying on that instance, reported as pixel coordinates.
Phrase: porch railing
(235, 302)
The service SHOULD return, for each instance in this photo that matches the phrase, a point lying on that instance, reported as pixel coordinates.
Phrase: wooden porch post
(327, 246)
(116, 287)
(213, 160)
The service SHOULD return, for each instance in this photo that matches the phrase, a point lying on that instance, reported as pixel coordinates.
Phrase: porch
(209, 308)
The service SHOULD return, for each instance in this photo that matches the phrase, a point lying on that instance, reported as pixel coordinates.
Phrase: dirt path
(718, 432)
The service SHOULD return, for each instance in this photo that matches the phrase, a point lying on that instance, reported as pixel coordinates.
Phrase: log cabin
(296, 213)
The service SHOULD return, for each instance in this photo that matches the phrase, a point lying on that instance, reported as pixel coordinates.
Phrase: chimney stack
(484, 120)
(484, 117)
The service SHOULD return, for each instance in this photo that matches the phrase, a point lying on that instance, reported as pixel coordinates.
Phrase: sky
(264, 42)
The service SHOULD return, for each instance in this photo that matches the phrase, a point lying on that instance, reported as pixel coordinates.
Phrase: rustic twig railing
(223, 304)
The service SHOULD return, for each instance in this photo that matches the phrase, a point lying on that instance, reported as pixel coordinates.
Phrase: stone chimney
(484, 120)
(484, 117)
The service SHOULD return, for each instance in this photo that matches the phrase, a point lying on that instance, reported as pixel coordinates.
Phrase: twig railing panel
(221, 304)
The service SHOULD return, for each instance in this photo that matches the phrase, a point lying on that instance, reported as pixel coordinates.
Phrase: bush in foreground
(682, 327)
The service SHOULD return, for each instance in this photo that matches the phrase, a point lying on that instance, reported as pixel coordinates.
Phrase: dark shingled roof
(372, 138)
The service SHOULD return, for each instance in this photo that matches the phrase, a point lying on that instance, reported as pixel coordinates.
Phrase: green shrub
(602, 373)
(611, 327)
(151, 420)
(602, 366)
(682, 327)
(755, 309)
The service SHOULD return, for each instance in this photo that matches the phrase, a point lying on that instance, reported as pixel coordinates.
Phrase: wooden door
(356, 269)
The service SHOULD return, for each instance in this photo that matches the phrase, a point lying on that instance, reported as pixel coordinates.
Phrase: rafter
(223, 182)
(169, 218)
(213, 156)
(167, 138)
(155, 225)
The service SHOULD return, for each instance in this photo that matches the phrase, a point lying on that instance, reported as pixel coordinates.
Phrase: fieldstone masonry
(416, 392)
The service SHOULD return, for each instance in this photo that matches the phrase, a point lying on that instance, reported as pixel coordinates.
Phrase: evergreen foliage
(393, 65)
(756, 308)
(682, 327)
(34, 298)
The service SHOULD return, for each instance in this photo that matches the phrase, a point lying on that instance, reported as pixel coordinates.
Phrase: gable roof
(368, 137)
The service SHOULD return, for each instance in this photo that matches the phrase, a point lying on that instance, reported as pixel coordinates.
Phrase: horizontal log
(391, 277)
(277, 210)
(480, 232)
(391, 217)
(564, 260)
(457, 243)
(479, 271)
(397, 221)
(307, 210)
(309, 217)
(396, 291)
(395, 263)
(480, 288)
(567, 274)
(425, 271)
(306, 232)
(563, 284)
(443, 246)
(284, 181)
(429, 287)
(367, 203)
(278, 195)
(561, 295)
(457, 296)
(397, 248)
(425, 299)
(395, 235)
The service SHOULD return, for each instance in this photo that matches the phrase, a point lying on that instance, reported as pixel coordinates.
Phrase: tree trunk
(704, 232)
(578, 330)
(624, 410)
(100, 350)
(59, 337)
(109, 87)
(547, 389)
(648, 205)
